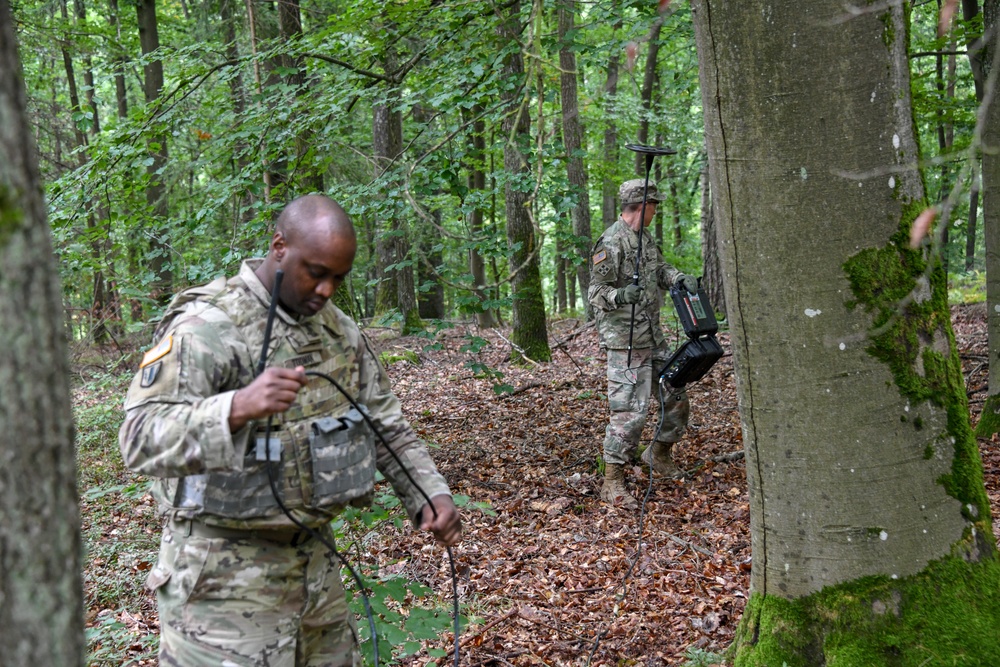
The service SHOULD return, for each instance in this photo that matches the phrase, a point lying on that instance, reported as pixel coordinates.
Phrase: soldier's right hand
(273, 391)
(628, 294)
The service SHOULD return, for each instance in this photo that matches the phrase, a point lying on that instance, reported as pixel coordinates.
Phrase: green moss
(11, 214)
(946, 615)
(989, 418)
(412, 323)
(917, 344)
(390, 358)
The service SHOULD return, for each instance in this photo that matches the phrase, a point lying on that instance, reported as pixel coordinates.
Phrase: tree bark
(573, 137)
(396, 290)
(989, 418)
(870, 523)
(713, 280)
(477, 184)
(529, 335)
(609, 188)
(41, 592)
(156, 191)
(648, 86)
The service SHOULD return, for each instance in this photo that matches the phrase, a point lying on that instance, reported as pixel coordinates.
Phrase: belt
(290, 537)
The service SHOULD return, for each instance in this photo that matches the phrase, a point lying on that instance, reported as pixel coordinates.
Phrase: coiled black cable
(271, 312)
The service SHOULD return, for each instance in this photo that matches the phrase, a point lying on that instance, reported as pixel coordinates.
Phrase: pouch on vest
(343, 460)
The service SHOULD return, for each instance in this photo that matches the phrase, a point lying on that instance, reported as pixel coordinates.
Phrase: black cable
(385, 443)
(642, 517)
(272, 311)
(329, 545)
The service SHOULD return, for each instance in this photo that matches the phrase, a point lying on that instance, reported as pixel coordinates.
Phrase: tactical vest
(327, 449)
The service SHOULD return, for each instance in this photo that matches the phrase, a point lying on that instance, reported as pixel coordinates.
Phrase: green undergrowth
(944, 616)
(121, 531)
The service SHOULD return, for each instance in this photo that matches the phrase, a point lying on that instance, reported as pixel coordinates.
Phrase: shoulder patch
(161, 350)
(600, 257)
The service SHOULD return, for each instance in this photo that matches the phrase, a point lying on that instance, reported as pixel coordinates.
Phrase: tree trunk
(529, 336)
(648, 85)
(871, 534)
(430, 302)
(712, 277)
(41, 591)
(609, 186)
(290, 30)
(573, 136)
(156, 192)
(560, 265)
(989, 418)
(972, 226)
(477, 184)
(394, 243)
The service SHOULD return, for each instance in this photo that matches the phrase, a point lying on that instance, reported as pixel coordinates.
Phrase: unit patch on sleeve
(600, 257)
(161, 350)
(149, 374)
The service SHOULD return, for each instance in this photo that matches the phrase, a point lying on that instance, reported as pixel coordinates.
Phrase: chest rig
(322, 447)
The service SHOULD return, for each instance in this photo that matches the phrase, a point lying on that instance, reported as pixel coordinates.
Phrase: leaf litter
(548, 574)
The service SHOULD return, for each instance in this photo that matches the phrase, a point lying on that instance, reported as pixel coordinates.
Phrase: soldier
(237, 581)
(630, 384)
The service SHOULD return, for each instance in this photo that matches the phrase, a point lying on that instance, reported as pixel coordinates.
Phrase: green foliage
(388, 358)
(967, 287)
(696, 657)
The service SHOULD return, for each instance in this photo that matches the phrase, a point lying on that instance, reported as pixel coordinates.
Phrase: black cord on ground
(642, 516)
(385, 443)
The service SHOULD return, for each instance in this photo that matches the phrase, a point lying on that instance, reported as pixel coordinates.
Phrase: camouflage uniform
(630, 387)
(237, 583)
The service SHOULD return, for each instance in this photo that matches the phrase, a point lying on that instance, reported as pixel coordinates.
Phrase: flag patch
(600, 257)
(161, 350)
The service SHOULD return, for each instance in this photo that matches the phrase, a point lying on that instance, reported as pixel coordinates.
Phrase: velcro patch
(161, 350)
(600, 257)
(149, 374)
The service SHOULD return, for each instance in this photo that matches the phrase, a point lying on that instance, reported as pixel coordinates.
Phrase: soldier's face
(314, 268)
(650, 212)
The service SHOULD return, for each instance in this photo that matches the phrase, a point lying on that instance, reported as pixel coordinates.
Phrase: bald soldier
(630, 382)
(237, 582)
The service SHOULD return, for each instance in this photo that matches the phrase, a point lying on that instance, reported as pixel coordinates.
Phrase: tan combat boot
(614, 486)
(657, 457)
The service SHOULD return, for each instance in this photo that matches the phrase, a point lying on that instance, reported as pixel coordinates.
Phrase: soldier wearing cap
(238, 581)
(612, 294)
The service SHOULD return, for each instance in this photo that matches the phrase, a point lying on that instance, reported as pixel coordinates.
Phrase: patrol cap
(630, 192)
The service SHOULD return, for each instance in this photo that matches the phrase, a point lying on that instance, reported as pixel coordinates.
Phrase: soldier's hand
(273, 391)
(447, 524)
(690, 283)
(628, 294)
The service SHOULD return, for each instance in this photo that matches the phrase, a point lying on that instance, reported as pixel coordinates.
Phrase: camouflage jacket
(207, 347)
(612, 267)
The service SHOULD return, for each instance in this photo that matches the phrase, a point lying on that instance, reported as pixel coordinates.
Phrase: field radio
(700, 352)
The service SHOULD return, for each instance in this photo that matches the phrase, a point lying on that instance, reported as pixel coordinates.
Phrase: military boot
(657, 457)
(614, 486)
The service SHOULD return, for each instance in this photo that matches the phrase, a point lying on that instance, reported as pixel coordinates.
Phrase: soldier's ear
(278, 245)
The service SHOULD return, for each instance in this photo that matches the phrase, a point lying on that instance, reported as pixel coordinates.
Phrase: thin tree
(529, 336)
(871, 531)
(156, 190)
(41, 592)
(573, 135)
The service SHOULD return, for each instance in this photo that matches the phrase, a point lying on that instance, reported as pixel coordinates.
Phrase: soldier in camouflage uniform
(237, 582)
(612, 294)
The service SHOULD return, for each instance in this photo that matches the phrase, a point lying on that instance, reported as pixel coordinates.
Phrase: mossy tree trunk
(41, 594)
(989, 420)
(530, 334)
(871, 534)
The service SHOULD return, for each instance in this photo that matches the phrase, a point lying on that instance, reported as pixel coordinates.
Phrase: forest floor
(552, 576)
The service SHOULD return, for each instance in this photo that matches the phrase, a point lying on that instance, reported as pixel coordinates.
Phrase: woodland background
(478, 147)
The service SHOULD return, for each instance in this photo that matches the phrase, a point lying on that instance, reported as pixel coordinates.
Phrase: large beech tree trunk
(41, 593)
(989, 420)
(871, 533)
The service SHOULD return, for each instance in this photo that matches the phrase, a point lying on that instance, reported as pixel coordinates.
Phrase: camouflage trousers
(250, 602)
(629, 392)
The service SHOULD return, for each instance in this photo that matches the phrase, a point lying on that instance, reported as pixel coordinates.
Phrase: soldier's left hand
(690, 283)
(446, 524)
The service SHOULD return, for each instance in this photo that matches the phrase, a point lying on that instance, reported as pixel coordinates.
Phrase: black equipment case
(698, 354)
